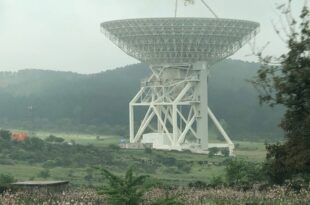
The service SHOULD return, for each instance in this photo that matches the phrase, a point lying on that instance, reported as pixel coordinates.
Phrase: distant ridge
(98, 103)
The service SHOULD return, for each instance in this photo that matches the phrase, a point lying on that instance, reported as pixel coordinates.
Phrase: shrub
(216, 181)
(5, 181)
(198, 184)
(114, 147)
(5, 135)
(225, 152)
(123, 191)
(54, 139)
(167, 161)
(50, 164)
(44, 173)
(239, 172)
(184, 166)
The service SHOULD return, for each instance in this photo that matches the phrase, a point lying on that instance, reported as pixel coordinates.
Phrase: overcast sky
(65, 34)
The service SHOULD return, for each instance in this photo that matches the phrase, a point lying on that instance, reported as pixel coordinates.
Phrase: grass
(24, 172)
(83, 139)
(253, 151)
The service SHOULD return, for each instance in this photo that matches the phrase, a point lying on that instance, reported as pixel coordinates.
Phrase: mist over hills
(98, 103)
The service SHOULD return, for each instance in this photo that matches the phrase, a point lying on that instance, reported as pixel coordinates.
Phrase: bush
(198, 184)
(123, 190)
(239, 172)
(50, 163)
(225, 152)
(172, 170)
(5, 181)
(216, 181)
(5, 135)
(167, 161)
(114, 147)
(44, 173)
(54, 139)
(184, 166)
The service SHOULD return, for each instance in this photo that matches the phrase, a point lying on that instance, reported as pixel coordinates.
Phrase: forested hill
(98, 103)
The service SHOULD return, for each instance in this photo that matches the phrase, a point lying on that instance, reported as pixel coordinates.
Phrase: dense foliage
(289, 85)
(98, 103)
(123, 191)
(239, 172)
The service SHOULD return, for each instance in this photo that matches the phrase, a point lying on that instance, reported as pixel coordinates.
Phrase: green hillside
(98, 103)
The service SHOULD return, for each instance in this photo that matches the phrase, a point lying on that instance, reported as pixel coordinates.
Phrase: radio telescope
(179, 52)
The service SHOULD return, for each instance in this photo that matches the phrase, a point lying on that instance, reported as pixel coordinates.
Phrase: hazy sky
(65, 34)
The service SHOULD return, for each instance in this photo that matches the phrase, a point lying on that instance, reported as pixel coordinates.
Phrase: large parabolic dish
(158, 41)
(180, 52)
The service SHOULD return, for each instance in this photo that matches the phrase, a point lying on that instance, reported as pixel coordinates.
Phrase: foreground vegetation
(217, 196)
(173, 177)
(74, 160)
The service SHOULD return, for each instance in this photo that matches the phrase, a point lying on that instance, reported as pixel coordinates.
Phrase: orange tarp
(19, 136)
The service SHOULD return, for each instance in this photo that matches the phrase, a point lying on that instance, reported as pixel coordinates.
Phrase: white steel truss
(180, 51)
(176, 102)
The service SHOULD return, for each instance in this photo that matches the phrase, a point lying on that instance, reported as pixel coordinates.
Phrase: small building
(19, 136)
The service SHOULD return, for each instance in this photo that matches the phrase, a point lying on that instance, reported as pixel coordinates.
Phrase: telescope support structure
(175, 101)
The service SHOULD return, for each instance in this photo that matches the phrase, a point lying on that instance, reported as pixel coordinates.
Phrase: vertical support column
(202, 119)
(175, 124)
(159, 126)
(131, 123)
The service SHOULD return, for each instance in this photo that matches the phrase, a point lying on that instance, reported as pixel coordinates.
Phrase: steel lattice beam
(180, 52)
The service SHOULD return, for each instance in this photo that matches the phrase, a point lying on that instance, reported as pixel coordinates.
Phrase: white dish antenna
(180, 52)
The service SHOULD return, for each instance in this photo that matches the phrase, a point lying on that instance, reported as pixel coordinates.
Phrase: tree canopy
(288, 84)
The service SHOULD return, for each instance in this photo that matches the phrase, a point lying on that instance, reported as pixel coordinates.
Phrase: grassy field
(83, 139)
(244, 149)
(252, 151)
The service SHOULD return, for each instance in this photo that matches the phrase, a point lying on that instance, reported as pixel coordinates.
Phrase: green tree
(288, 84)
(243, 172)
(124, 191)
(5, 134)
